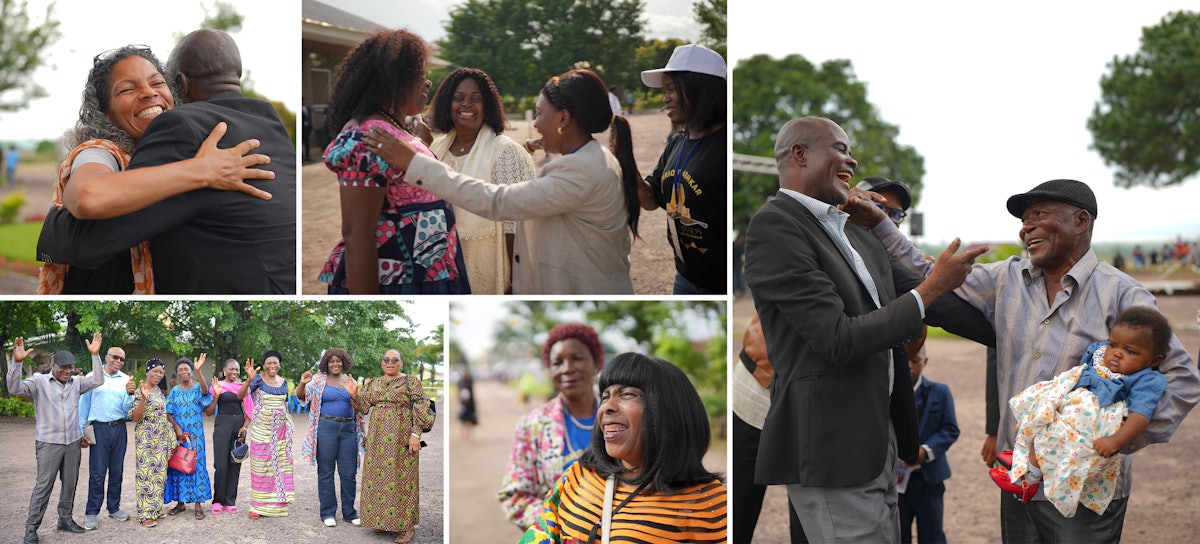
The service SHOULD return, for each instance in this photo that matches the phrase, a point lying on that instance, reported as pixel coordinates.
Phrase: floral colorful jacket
(535, 463)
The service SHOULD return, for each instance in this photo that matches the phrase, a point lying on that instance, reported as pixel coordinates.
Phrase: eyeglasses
(117, 357)
(96, 60)
(394, 360)
(895, 214)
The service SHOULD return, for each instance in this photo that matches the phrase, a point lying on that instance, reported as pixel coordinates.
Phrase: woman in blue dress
(185, 408)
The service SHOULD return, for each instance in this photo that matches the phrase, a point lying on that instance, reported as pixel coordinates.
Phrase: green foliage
(1144, 124)
(47, 148)
(769, 92)
(11, 206)
(22, 50)
(224, 17)
(649, 55)
(711, 16)
(522, 43)
(15, 407)
(21, 319)
(18, 241)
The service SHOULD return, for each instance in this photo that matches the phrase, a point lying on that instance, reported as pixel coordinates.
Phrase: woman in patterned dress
(467, 109)
(648, 444)
(545, 444)
(185, 410)
(271, 484)
(397, 238)
(398, 410)
(153, 442)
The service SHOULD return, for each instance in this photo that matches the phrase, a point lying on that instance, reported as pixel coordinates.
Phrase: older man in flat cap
(57, 433)
(1046, 309)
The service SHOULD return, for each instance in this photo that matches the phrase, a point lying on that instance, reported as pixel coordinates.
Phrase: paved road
(303, 524)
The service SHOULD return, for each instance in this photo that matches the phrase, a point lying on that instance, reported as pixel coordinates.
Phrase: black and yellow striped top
(573, 508)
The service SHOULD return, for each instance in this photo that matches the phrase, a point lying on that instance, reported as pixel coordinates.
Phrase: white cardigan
(572, 238)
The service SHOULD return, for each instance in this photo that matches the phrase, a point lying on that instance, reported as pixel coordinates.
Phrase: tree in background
(769, 92)
(1145, 123)
(22, 46)
(711, 16)
(24, 320)
(653, 54)
(522, 43)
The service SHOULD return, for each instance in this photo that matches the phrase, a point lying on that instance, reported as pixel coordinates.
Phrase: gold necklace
(394, 122)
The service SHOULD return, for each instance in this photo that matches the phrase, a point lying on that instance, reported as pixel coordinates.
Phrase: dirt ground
(651, 264)
(1164, 500)
(478, 468)
(303, 523)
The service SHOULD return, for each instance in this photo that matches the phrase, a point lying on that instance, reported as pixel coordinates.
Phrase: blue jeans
(337, 446)
(106, 456)
(683, 286)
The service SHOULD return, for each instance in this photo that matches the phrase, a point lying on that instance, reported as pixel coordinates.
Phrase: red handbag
(183, 459)
(1023, 491)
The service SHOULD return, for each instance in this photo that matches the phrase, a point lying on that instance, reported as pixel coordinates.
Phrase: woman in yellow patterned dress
(271, 484)
(153, 439)
(390, 477)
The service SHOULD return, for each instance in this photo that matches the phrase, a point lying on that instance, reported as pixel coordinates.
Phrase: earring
(560, 130)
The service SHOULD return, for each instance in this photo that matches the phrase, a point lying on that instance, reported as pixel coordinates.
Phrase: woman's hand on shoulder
(227, 168)
(396, 152)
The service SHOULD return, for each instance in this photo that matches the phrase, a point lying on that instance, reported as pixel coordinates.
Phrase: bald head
(813, 157)
(204, 63)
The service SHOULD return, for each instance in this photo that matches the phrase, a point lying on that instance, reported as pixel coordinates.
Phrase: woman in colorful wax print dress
(271, 484)
(578, 219)
(232, 420)
(398, 408)
(551, 438)
(335, 432)
(153, 440)
(468, 110)
(185, 409)
(690, 180)
(126, 89)
(397, 238)
(644, 465)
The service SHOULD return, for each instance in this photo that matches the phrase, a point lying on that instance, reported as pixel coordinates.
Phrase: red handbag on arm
(183, 458)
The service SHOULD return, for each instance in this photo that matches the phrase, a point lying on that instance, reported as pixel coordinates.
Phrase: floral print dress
(154, 439)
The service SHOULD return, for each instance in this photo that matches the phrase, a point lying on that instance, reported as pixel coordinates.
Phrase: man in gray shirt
(57, 433)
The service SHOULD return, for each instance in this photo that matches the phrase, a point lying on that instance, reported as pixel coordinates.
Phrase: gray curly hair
(92, 123)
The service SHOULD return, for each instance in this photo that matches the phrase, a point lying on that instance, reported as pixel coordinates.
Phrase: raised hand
(349, 384)
(251, 371)
(19, 351)
(94, 344)
(306, 377)
(130, 386)
(949, 271)
(200, 361)
(226, 168)
(146, 388)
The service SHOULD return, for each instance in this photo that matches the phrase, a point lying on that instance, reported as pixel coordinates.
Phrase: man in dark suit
(922, 495)
(205, 241)
(835, 313)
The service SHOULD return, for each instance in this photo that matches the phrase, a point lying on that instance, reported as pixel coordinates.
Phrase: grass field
(18, 242)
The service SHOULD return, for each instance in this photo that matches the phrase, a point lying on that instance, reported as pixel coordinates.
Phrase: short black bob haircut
(340, 353)
(703, 96)
(675, 429)
(443, 106)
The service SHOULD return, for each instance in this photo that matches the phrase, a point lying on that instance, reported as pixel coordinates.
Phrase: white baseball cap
(688, 58)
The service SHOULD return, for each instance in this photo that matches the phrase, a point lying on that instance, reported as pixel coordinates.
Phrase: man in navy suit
(924, 484)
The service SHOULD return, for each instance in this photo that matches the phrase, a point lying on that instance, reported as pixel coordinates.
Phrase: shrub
(15, 407)
(11, 206)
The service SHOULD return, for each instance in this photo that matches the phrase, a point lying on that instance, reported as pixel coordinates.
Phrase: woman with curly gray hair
(125, 91)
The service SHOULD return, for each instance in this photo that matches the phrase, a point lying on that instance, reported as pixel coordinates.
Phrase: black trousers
(226, 473)
(1039, 521)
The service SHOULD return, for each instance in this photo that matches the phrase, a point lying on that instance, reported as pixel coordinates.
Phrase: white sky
(90, 27)
(664, 18)
(426, 313)
(994, 95)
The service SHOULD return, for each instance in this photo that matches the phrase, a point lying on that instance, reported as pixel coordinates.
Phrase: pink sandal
(231, 509)
(216, 509)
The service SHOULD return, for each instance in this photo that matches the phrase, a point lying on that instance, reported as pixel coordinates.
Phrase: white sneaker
(330, 522)
(355, 522)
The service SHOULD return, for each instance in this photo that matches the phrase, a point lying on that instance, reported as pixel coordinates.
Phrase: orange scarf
(53, 275)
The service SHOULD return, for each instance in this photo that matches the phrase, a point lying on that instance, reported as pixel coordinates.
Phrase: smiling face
(621, 419)
(231, 371)
(418, 96)
(673, 102)
(1049, 231)
(137, 93)
(391, 363)
(335, 365)
(548, 119)
(572, 368)
(466, 107)
(271, 366)
(184, 372)
(114, 360)
(1130, 349)
(62, 373)
(829, 165)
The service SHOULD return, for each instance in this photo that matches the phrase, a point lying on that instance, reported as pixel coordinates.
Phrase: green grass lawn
(18, 241)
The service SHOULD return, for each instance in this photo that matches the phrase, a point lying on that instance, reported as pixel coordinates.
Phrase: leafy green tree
(711, 16)
(769, 92)
(521, 43)
(224, 17)
(653, 54)
(22, 49)
(1145, 123)
(23, 319)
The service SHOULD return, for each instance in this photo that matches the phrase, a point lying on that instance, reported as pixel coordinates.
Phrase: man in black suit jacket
(836, 312)
(205, 241)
